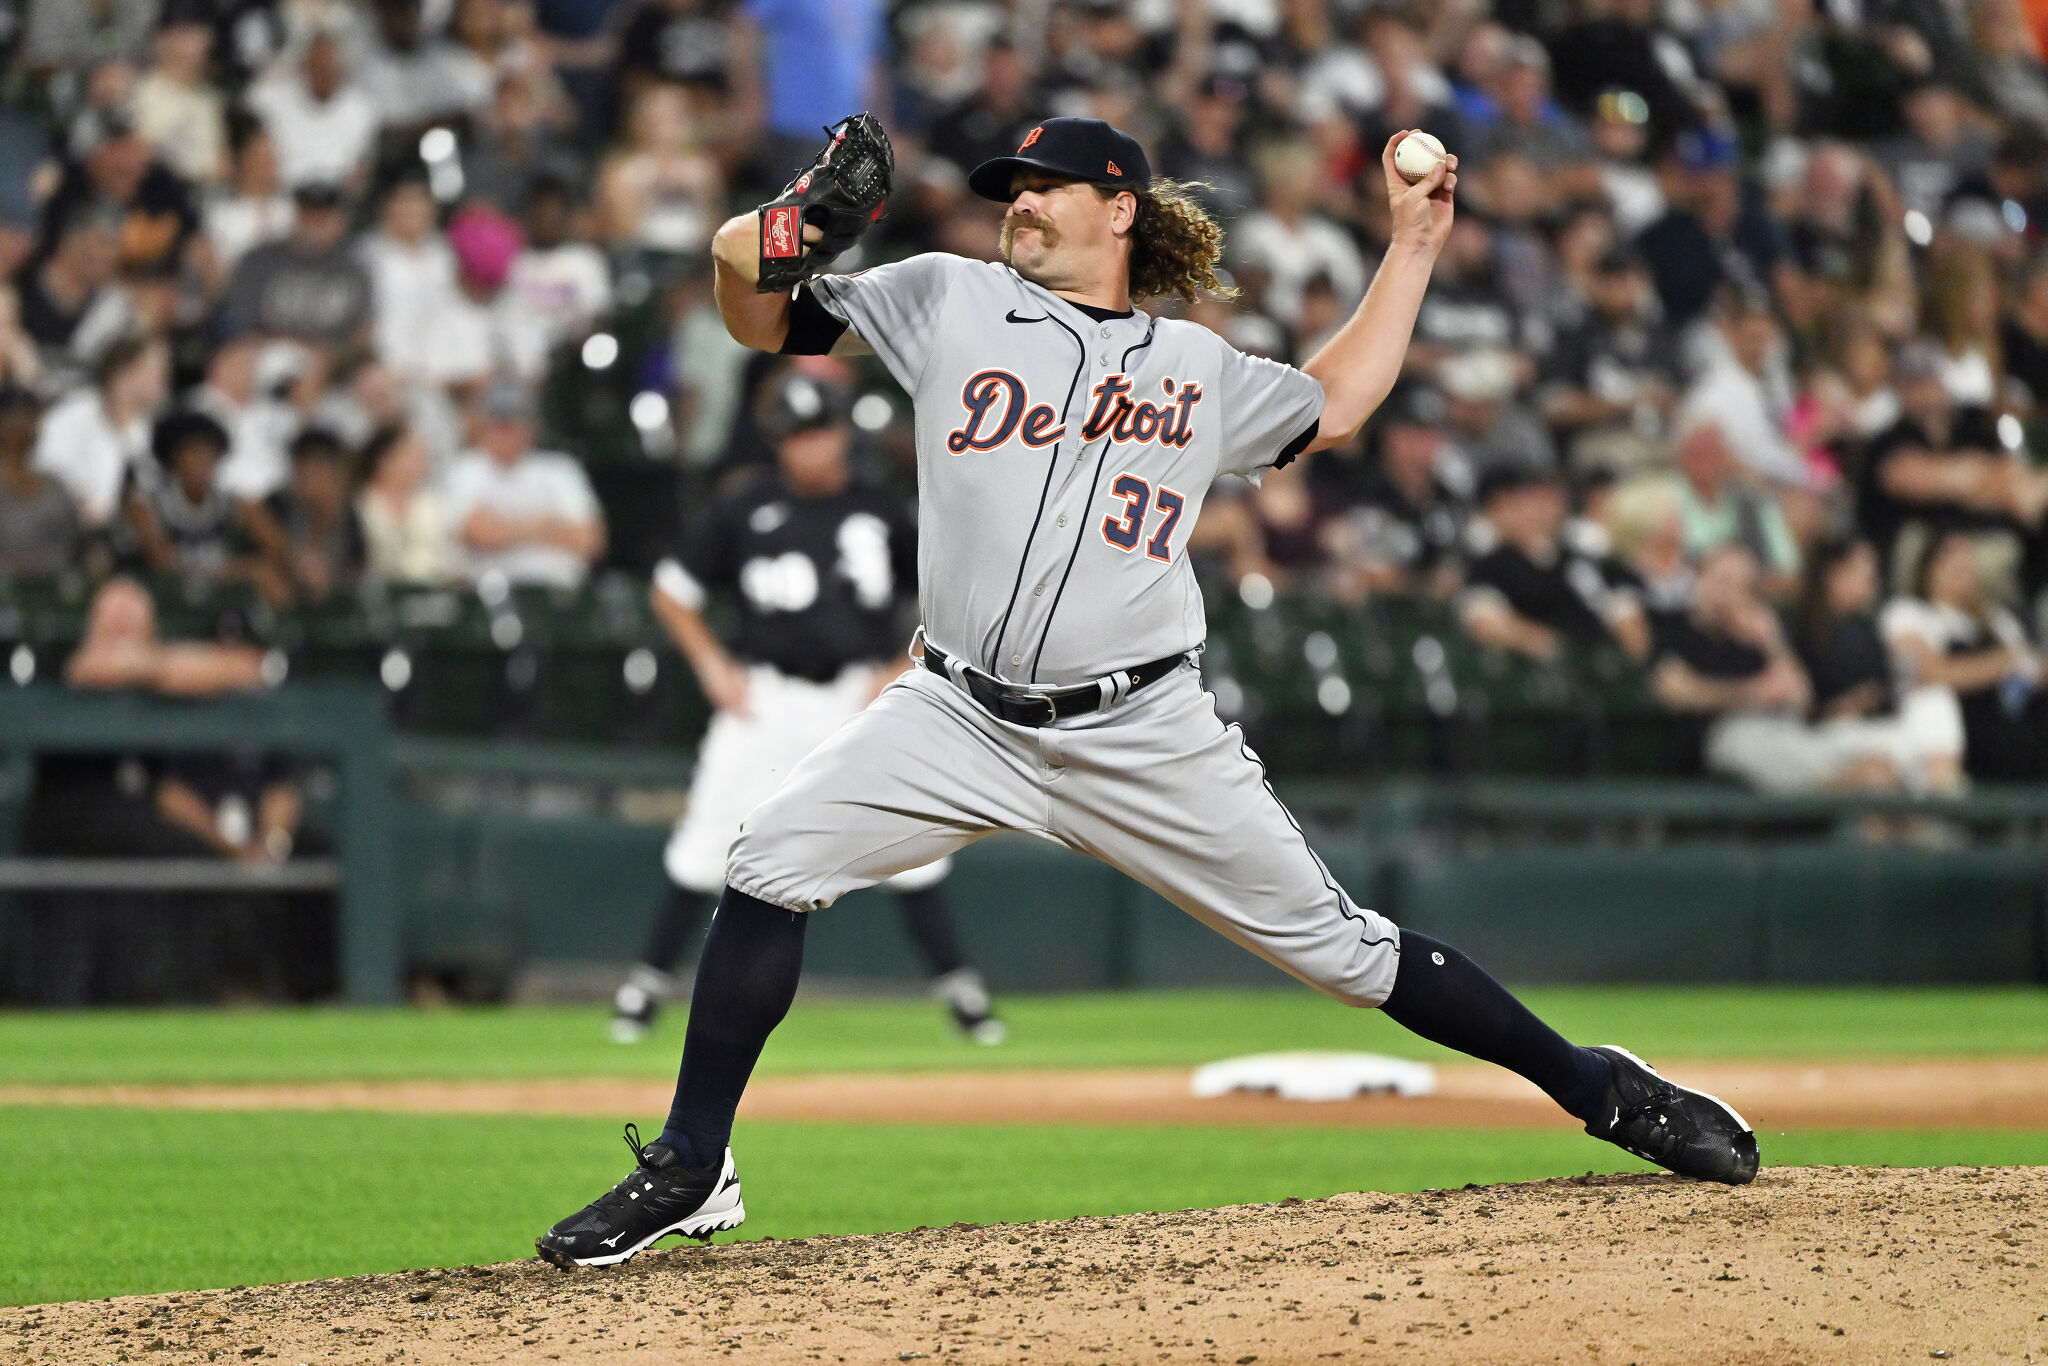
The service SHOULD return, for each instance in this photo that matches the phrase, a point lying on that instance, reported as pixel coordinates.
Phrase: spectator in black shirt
(1728, 663)
(1407, 533)
(2023, 334)
(184, 522)
(120, 172)
(1854, 673)
(995, 118)
(680, 41)
(1839, 644)
(1205, 148)
(1942, 467)
(1611, 380)
(66, 299)
(322, 538)
(1713, 232)
(1531, 593)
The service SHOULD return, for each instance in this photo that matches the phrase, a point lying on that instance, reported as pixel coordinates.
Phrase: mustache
(1012, 222)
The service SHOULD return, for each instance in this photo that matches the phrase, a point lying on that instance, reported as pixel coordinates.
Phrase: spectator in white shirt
(1292, 241)
(325, 128)
(259, 424)
(97, 439)
(253, 207)
(471, 336)
(558, 287)
(525, 515)
(176, 108)
(1744, 393)
(413, 77)
(1951, 643)
(406, 532)
(412, 276)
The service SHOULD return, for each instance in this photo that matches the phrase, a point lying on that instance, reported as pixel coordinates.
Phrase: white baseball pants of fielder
(1157, 787)
(745, 758)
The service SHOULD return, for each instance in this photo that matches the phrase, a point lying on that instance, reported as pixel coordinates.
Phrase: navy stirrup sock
(929, 918)
(1445, 997)
(746, 978)
(682, 911)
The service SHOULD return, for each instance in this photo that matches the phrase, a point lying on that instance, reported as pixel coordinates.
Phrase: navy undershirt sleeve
(1298, 445)
(812, 329)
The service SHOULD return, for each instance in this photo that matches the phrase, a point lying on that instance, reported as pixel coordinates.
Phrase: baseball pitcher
(1065, 441)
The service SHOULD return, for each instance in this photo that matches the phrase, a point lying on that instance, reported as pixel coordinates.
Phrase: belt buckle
(1023, 697)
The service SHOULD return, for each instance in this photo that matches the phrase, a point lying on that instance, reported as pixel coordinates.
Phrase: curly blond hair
(1175, 245)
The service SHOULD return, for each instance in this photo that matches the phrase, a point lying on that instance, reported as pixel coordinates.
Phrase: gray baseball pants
(1157, 787)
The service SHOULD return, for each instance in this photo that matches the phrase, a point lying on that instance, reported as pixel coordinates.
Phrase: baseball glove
(842, 192)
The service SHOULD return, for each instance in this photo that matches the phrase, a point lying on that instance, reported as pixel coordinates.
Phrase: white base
(1315, 1076)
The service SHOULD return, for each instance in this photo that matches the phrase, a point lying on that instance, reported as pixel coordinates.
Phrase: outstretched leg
(1197, 822)
(1445, 997)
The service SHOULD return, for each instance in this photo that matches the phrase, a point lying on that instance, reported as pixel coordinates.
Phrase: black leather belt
(1022, 706)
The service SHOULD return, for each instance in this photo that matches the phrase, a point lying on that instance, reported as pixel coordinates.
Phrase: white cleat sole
(702, 1224)
(722, 1213)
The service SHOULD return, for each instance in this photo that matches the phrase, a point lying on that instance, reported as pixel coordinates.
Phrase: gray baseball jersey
(1062, 460)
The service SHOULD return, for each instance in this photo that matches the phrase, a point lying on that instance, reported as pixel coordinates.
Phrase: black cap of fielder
(801, 403)
(1085, 149)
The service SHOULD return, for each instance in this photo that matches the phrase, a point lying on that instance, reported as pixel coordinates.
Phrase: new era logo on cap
(1114, 171)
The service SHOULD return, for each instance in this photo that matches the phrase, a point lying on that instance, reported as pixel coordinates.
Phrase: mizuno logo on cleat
(613, 1241)
(730, 1182)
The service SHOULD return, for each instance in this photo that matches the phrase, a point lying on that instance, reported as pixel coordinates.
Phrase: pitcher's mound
(1807, 1265)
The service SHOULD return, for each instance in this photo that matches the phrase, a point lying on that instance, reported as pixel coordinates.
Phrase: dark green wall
(1038, 918)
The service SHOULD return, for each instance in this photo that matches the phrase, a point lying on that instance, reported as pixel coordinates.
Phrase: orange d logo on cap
(1030, 137)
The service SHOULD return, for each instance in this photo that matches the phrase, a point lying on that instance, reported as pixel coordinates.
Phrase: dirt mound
(1807, 1265)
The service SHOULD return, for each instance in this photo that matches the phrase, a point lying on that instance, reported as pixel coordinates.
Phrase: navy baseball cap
(1084, 149)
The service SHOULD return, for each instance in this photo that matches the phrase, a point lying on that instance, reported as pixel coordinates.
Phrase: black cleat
(973, 1011)
(637, 1001)
(660, 1196)
(1688, 1132)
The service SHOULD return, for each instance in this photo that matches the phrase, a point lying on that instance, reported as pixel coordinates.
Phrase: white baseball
(1417, 155)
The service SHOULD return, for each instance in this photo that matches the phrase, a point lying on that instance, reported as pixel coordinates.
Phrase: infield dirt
(1806, 1265)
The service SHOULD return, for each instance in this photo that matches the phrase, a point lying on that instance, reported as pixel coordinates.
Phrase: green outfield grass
(107, 1202)
(1166, 1028)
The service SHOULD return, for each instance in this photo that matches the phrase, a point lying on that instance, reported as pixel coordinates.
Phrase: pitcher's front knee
(1361, 973)
(781, 860)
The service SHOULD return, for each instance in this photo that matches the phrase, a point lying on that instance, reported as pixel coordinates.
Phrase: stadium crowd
(1731, 363)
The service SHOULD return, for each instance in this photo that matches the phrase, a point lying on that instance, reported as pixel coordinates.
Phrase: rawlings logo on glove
(840, 194)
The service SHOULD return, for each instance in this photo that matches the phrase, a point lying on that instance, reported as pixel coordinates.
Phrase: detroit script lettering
(998, 408)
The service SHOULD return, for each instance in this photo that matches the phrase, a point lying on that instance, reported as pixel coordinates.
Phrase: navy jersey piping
(1343, 901)
(1052, 463)
(1094, 480)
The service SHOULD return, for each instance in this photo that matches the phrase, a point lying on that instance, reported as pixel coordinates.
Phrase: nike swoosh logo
(613, 1241)
(1011, 317)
